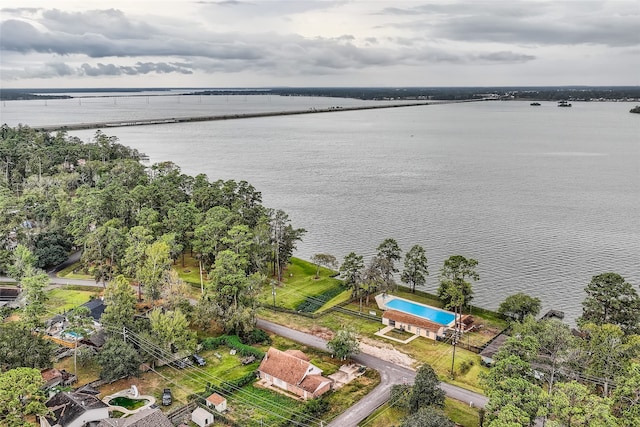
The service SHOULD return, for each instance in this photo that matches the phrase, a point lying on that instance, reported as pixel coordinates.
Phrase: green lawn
(68, 297)
(255, 406)
(74, 271)
(190, 272)
(459, 412)
(298, 283)
(423, 350)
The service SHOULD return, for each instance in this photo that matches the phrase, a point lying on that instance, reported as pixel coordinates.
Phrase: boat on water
(563, 104)
(535, 104)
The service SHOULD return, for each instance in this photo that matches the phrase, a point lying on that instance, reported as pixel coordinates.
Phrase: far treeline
(542, 93)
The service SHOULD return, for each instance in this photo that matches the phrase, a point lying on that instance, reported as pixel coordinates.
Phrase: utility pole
(456, 337)
(201, 282)
(273, 292)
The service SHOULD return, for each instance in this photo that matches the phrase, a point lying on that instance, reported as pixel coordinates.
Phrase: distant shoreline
(162, 121)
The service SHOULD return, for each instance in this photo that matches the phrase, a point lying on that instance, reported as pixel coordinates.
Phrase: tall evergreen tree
(426, 390)
(415, 268)
(610, 299)
(120, 301)
(388, 254)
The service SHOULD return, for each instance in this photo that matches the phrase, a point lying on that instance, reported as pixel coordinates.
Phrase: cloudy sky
(257, 43)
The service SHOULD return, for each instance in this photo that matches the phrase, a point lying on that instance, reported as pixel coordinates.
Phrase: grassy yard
(184, 382)
(422, 350)
(86, 374)
(74, 271)
(351, 393)
(459, 412)
(68, 297)
(190, 272)
(298, 283)
(251, 405)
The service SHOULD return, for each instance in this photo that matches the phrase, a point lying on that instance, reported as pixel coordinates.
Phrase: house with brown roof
(53, 377)
(414, 324)
(218, 402)
(291, 371)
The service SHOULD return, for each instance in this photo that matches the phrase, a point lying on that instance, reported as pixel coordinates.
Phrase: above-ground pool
(430, 313)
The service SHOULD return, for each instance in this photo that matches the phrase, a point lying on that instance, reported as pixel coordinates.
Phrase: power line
(206, 379)
(202, 376)
(201, 381)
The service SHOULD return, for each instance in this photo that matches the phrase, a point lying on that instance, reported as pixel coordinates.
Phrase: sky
(321, 43)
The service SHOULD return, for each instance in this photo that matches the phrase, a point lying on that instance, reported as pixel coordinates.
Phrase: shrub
(257, 336)
(465, 366)
(234, 342)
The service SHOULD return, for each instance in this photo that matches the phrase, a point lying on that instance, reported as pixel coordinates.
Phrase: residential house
(53, 377)
(414, 324)
(218, 402)
(96, 340)
(72, 409)
(96, 307)
(202, 417)
(291, 371)
(143, 418)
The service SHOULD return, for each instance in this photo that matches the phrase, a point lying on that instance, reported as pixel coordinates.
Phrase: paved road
(390, 374)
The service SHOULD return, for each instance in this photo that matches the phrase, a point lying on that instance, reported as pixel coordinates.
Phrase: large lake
(543, 197)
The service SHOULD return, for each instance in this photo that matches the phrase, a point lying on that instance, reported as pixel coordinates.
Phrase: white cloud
(319, 42)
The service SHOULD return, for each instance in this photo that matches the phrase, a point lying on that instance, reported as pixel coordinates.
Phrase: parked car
(199, 360)
(167, 398)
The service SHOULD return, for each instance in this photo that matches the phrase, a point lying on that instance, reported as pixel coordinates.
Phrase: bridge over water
(161, 121)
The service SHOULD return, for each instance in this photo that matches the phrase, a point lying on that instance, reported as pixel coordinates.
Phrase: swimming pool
(433, 314)
(72, 335)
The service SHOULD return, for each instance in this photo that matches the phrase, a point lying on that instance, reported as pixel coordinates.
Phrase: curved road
(390, 374)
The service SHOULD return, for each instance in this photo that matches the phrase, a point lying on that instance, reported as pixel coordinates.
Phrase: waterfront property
(418, 319)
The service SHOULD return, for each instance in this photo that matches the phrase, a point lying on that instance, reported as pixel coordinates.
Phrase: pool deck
(127, 393)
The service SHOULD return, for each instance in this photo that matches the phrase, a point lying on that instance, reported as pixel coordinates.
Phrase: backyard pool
(128, 403)
(430, 313)
(72, 335)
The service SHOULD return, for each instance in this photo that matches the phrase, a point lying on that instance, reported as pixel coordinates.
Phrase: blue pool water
(433, 314)
(73, 335)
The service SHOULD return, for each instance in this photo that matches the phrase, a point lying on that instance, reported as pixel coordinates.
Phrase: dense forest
(58, 194)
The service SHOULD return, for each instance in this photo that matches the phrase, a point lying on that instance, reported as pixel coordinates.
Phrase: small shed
(218, 402)
(202, 417)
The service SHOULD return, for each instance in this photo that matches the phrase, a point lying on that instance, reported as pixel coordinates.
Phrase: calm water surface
(544, 198)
